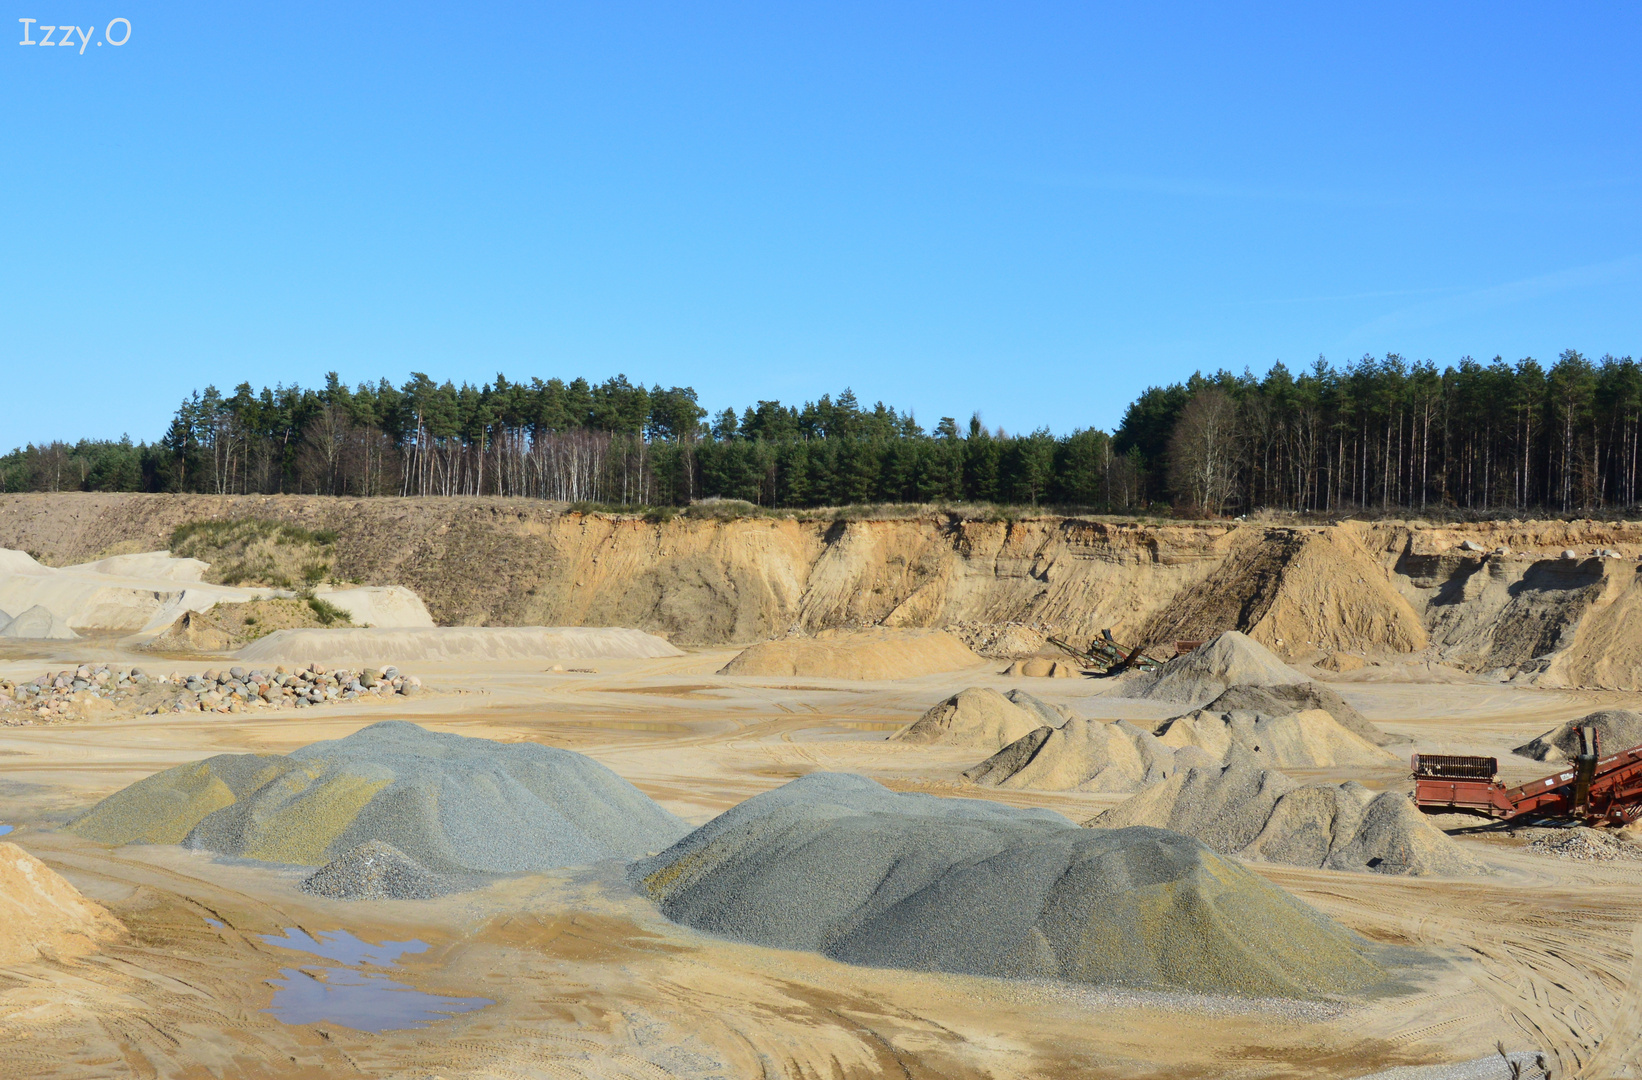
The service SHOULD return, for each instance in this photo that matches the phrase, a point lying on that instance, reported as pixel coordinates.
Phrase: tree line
(1377, 434)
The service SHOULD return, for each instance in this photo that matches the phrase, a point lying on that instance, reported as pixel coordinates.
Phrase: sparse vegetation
(258, 551)
(328, 613)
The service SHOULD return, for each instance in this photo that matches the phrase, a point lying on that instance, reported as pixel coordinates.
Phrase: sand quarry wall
(1375, 588)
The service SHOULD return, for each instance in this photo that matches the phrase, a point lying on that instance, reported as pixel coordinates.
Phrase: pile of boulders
(69, 691)
(102, 688)
(237, 688)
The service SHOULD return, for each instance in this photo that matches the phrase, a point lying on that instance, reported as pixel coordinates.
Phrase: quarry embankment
(1545, 602)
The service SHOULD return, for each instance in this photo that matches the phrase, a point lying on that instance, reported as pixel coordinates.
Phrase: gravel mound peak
(1616, 730)
(1080, 755)
(376, 870)
(982, 718)
(1245, 809)
(837, 864)
(1195, 678)
(452, 803)
(1293, 697)
(1303, 739)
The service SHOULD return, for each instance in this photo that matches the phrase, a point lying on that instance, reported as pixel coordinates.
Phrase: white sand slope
(144, 594)
(379, 605)
(356, 646)
(132, 594)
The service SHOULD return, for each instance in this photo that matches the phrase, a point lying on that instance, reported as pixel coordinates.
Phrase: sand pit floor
(589, 980)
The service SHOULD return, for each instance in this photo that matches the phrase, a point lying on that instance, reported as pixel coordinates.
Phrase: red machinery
(1595, 789)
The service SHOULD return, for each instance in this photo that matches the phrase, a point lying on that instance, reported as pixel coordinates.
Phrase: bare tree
(1205, 451)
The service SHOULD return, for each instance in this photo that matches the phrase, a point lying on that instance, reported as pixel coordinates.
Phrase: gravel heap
(131, 689)
(1001, 641)
(453, 804)
(982, 718)
(1305, 739)
(1616, 730)
(837, 864)
(1258, 813)
(1295, 697)
(1230, 659)
(1081, 755)
(378, 871)
(1585, 845)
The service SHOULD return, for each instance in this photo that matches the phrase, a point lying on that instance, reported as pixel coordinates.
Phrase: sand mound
(858, 654)
(840, 865)
(1616, 730)
(380, 606)
(1082, 755)
(1292, 697)
(982, 718)
(38, 624)
(43, 915)
(1037, 667)
(452, 803)
(1231, 659)
(357, 646)
(1244, 809)
(378, 871)
(1308, 738)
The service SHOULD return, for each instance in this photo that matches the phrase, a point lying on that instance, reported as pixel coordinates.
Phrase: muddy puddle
(355, 998)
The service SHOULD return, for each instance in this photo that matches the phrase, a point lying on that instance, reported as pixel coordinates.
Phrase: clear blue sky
(1030, 209)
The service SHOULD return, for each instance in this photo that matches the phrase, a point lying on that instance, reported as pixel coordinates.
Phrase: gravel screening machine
(1596, 790)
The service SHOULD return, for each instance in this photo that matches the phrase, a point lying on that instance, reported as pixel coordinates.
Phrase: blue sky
(1034, 210)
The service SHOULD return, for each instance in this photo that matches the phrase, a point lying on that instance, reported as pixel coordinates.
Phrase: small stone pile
(1002, 641)
(65, 692)
(1585, 845)
(235, 688)
(92, 688)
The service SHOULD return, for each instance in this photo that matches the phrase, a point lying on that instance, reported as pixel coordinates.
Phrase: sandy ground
(588, 980)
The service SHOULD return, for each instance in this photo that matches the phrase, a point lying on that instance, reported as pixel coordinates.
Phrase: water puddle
(363, 1000)
(4, 829)
(216, 924)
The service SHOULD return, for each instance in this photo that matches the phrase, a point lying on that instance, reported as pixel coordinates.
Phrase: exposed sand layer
(454, 804)
(1616, 730)
(360, 646)
(1489, 597)
(1229, 659)
(861, 654)
(982, 718)
(840, 865)
(1245, 809)
(43, 915)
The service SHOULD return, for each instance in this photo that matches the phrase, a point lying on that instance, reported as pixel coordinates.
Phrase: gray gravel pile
(1616, 730)
(1230, 659)
(453, 804)
(837, 864)
(1258, 813)
(37, 624)
(1295, 697)
(379, 871)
